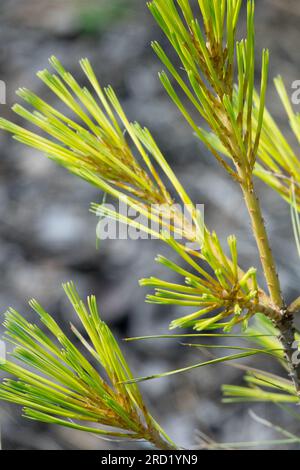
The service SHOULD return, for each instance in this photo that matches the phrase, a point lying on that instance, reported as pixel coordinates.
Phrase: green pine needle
(226, 295)
(219, 360)
(295, 217)
(213, 60)
(103, 147)
(55, 383)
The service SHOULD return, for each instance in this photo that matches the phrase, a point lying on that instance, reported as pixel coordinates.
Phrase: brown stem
(287, 339)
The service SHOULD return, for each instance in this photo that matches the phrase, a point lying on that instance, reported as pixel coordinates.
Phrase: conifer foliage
(214, 73)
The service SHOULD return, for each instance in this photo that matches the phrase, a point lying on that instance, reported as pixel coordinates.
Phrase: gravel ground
(47, 235)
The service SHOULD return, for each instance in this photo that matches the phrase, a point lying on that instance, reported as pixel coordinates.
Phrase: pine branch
(224, 95)
(226, 297)
(229, 113)
(277, 163)
(100, 145)
(96, 149)
(57, 384)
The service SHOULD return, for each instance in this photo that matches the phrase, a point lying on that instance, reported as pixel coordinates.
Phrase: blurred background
(48, 236)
